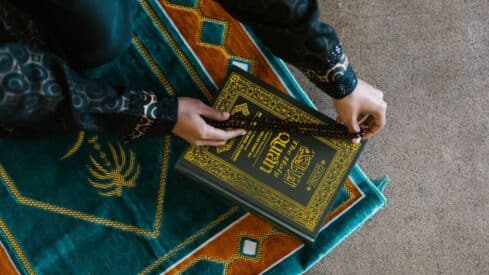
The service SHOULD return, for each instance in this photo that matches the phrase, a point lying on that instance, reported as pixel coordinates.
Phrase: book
(287, 179)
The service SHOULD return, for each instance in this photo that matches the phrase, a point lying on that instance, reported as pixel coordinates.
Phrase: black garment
(39, 92)
(86, 33)
(292, 31)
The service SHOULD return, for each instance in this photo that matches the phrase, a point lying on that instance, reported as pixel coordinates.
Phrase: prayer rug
(86, 203)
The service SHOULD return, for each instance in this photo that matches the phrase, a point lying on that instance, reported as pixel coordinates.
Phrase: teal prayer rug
(89, 204)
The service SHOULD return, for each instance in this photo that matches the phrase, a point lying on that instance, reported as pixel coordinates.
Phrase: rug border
(306, 257)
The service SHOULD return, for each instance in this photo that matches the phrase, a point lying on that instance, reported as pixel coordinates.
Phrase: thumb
(214, 114)
(353, 125)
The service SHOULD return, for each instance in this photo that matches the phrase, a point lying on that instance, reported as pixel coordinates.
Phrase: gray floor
(431, 58)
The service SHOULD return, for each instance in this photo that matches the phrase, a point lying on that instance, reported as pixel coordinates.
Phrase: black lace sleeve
(292, 31)
(39, 94)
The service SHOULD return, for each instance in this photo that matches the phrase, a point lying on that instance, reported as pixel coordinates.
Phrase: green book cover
(289, 180)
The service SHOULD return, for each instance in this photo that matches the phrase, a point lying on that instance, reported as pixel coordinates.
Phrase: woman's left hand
(364, 108)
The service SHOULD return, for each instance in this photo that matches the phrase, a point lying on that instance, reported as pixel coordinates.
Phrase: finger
(362, 119)
(379, 124)
(356, 140)
(338, 120)
(372, 131)
(213, 133)
(380, 94)
(352, 125)
(213, 114)
(367, 123)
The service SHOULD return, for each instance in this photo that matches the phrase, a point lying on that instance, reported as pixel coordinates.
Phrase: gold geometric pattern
(186, 62)
(152, 64)
(190, 239)
(238, 256)
(271, 248)
(16, 247)
(306, 216)
(237, 45)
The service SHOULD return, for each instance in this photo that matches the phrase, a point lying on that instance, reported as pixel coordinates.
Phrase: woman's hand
(192, 127)
(364, 108)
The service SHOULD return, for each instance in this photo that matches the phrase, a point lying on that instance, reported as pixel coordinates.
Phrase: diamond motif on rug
(212, 32)
(248, 247)
(240, 63)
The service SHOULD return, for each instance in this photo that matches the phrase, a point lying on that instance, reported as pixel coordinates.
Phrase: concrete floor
(431, 58)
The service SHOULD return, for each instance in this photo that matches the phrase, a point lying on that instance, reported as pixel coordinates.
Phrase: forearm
(292, 31)
(39, 93)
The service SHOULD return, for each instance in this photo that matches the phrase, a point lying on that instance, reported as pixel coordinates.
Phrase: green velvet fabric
(57, 215)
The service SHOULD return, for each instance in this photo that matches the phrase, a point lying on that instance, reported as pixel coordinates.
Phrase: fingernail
(243, 133)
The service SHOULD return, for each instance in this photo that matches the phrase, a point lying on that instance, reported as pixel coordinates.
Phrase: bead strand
(335, 131)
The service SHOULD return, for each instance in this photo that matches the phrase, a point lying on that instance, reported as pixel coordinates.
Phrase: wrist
(155, 115)
(334, 75)
(166, 115)
(338, 82)
(344, 84)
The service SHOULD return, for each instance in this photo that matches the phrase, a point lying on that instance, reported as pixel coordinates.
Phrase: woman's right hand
(193, 128)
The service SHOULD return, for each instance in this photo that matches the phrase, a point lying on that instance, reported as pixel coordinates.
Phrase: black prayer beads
(332, 130)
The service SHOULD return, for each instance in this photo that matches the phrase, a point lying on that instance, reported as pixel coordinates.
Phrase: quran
(289, 180)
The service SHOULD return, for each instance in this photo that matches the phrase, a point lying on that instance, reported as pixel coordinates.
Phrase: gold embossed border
(307, 216)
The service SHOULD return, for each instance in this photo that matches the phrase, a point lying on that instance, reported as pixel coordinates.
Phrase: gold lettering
(277, 145)
(292, 147)
(299, 165)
